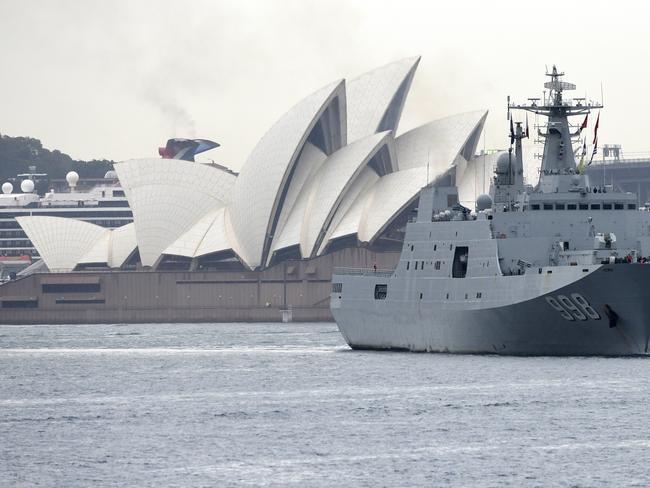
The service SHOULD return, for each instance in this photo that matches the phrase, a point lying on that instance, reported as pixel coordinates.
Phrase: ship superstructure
(555, 269)
(104, 204)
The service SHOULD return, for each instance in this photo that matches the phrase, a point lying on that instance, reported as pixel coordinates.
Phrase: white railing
(383, 273)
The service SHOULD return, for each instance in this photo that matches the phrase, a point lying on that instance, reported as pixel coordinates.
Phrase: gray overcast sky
(115, 79)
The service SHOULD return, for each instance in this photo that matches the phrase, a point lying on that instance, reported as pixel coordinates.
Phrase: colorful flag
(594, 151)
(595, 139)
(581, 165)
(584, 124)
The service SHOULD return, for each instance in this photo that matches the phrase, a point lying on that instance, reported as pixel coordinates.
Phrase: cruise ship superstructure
(104, 204)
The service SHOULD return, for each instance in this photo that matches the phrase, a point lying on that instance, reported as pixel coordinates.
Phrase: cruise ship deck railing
(383, 273)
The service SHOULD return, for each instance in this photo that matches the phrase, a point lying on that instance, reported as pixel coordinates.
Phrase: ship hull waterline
(531, 327)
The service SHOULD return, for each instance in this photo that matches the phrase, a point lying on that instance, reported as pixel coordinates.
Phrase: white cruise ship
(103, 204)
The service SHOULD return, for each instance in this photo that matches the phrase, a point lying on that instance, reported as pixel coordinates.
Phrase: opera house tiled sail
(331, 170)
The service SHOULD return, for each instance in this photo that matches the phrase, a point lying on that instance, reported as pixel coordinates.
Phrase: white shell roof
(438, 142)
(113, 248)
(187, 244)
(308, 164)
(98, 253)
(217, 237)
(168, 196)
(346, 219)
(328, 168)
(331, 183)
(123, 243)
(262, 183)
(376, 98)
(476, 179)
(208, 235)
(60, 241)
(384, 203)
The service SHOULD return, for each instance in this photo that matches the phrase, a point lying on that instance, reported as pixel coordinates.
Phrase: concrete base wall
(217, 296)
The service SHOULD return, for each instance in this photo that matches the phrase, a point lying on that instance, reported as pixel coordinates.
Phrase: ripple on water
(291, 405)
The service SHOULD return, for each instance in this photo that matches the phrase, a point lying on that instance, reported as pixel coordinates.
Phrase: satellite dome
(110, 175)
(503, 163)
(72, 177)
(483, 202)
(7, 188)
(27, 186)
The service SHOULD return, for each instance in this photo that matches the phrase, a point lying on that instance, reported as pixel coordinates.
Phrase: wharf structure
(330, 184)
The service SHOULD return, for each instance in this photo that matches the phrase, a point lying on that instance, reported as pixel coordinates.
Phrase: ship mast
(558, 158)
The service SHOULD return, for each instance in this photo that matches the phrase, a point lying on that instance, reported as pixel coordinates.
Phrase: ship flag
(584, 124)
(512, 132)
(593, 153)
(596, 128)
(581, 165)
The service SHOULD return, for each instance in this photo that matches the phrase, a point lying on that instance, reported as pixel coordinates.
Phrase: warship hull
(617, 322)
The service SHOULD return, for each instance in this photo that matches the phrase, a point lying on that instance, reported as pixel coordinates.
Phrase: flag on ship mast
(512, 132)
(595, 140)
(584, 124)
(581, 165)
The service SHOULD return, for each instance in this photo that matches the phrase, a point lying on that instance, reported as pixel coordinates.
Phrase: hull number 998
(575, 307)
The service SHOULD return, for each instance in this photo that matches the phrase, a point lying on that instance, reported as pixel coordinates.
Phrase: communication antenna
(508, 111)
(602, 98)
(428, 159)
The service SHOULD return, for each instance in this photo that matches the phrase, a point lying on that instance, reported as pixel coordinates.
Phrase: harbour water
(290, 405)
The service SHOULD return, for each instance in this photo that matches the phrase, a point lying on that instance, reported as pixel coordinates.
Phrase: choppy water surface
(291, 405)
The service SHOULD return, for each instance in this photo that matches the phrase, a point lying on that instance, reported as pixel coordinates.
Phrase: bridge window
(571, 206)
(607, 206)
(437, 265)
(337, 287)
(408, 265)
(583, 206)
(459, 267)
(381, 291)
(548, 206)
(534, 206)
(559, 206)
(631, 206)
(595, 206)
(619, 206)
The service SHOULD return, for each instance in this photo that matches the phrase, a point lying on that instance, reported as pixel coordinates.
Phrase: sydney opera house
(331, 183)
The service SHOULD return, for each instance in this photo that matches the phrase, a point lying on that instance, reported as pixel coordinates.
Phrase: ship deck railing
(382, 273)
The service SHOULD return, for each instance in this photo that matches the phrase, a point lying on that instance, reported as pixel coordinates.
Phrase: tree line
(19, 154)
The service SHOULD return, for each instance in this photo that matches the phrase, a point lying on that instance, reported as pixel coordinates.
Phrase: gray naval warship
(555, 269)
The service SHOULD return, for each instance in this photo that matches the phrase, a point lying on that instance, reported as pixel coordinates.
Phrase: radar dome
(503, 163)
(110, 175)
(483, 202)
(575, 180)
(7, 188)
(72, 177)
(27, 186)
